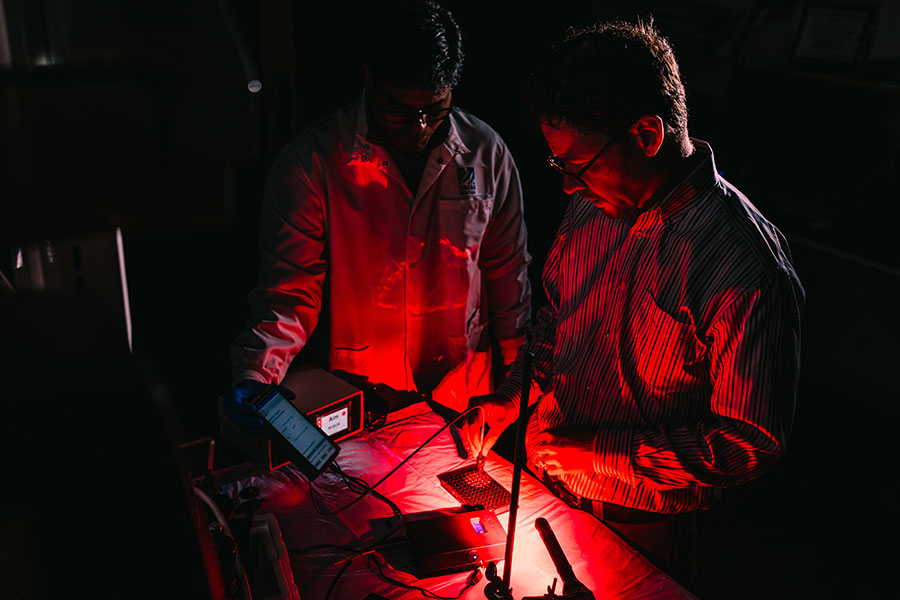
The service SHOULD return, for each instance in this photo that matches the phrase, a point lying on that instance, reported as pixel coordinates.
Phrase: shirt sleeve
(754, 363)
(504, 260)
(285, 305)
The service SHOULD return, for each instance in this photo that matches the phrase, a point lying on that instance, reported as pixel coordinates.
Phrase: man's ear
(650, 132)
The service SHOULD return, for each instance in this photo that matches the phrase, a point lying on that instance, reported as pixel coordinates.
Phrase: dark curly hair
(415, 43)
(605, 76)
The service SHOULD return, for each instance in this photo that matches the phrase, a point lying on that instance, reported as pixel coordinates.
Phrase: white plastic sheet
(600, 559)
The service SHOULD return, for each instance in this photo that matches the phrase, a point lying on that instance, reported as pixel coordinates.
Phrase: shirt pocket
(669, 355)
(464, 220)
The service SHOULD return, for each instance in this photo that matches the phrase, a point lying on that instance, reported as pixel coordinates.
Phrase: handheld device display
(310, 448)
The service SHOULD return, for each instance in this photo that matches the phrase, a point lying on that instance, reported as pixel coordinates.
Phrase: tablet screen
(297, 430)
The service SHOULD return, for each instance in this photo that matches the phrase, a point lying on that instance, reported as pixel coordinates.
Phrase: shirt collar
(361, 146)
(454, 142)
(698, 182)
(364, 147)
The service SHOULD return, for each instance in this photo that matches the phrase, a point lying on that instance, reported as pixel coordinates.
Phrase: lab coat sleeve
(285, 305)
(504, 260)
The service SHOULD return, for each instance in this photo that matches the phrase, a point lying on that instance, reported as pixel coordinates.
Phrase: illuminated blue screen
(302, 435)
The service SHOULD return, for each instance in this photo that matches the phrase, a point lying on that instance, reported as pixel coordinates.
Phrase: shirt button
(363, 158)
(606, 335)
(384, 164)
(366, 146)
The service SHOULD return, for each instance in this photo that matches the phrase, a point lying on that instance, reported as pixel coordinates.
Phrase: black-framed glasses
(559, 164)
(430, 115)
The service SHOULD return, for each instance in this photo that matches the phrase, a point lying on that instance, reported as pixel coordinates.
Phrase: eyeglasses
(558, 163)
(430, 116)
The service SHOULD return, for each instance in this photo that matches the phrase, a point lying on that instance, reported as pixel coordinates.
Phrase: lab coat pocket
(463, 222)
(352, 360)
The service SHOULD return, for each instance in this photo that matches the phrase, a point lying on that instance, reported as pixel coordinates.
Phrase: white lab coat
(417, 281)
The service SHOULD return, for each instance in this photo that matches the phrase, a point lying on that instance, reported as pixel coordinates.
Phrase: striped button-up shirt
(675, 335)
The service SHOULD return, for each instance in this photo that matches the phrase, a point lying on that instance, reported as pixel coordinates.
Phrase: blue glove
(236, 404)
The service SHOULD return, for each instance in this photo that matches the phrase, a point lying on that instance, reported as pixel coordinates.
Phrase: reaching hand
(498, 412)
(564, 450)
(236, 405)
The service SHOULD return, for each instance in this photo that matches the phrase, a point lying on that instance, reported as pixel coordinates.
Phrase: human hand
(236, 404)
(481, 428)
(566, 450)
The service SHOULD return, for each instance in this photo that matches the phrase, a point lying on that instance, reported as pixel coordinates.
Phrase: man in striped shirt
(668, 353)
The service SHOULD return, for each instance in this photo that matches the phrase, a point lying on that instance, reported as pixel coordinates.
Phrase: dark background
(138, 115)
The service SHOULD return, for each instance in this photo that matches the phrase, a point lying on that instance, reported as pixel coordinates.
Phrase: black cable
(378, 541)
(376, 544)
(361, 484)
(347, 562)
(394, 470)
(311, 549)
(470, 581)
(338, 576)
(356, 484)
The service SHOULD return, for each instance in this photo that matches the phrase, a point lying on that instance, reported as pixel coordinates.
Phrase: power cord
(473, 578)
(361, 487)
(400, 464)
(358, 485)
(348, 562)
(223, 522)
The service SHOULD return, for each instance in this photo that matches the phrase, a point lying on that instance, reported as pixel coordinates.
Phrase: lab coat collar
(363, 150)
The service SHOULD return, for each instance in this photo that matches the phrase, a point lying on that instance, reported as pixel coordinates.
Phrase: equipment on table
(474, 488)
(455, 543)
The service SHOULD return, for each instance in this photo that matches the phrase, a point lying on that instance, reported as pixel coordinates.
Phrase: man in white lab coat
(400, 214)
